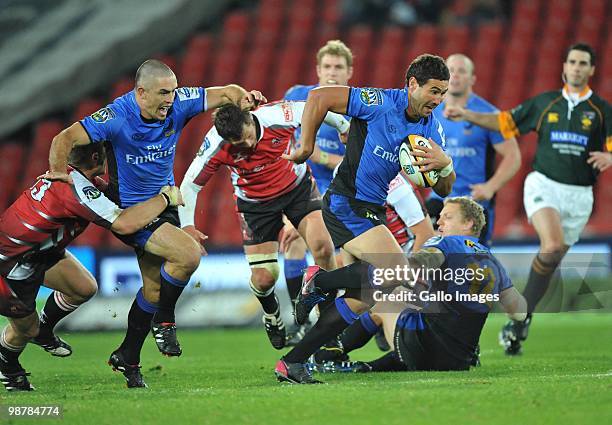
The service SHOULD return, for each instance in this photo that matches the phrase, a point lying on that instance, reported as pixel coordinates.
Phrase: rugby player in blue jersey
(353, 207)
(473, 148)
(141, 129)
(334, 67)
(441, 329)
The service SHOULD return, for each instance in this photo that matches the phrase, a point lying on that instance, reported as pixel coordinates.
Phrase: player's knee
(191, 260)
(553, 250)
(263, 279)
(84, 292)
(322, 250)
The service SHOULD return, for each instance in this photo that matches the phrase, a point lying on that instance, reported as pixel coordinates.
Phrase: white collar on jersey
(573, 99)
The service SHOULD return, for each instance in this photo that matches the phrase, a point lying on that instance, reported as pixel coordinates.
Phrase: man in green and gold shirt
(574, 128)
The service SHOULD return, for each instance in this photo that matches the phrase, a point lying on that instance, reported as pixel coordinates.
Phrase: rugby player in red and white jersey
(34, 232)
(266, 187)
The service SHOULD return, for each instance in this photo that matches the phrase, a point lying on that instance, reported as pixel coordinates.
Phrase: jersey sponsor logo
(552, 117)
(386, 155)
(461, 152)
(91, 192)
(204, 147)
(149, 157)
(103, 115)
(371, 97)
(188, 93)
(569, 137)
(287, 112)
(327, 143)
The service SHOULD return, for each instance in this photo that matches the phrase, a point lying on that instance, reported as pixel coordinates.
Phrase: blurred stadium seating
(272, 46)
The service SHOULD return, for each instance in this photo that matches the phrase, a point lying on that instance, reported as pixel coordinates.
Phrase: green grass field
(225, 377)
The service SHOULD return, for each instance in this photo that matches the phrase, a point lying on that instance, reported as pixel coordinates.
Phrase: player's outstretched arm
(136, 217)
(513, 303)
(61, 146)
(319, 102)
(233, 93)
(457, 113)
(507, 168)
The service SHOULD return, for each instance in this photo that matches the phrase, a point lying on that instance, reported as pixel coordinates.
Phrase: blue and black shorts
(139, 239)
(346, 218)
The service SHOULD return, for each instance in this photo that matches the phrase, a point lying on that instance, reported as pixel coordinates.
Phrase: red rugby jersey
(46, 218)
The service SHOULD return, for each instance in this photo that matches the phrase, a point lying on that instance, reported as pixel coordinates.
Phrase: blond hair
(470, 210)
(336, 48)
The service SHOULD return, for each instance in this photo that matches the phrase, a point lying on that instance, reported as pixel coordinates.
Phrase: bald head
(461, 58)
(150, 71)
(462, 76)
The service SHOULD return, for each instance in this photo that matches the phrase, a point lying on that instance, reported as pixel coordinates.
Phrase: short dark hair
(152, 68)
(427, 67)
(584, 48)
(81, 156)
(229, 121)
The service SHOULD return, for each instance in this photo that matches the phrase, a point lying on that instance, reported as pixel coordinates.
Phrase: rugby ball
(408, 161)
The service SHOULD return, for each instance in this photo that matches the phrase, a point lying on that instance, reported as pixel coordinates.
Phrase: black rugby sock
(55, 309)
(542, 270)
(390, 362)
(359, 333)
(139, 325)
(333, 320)
(169, 292)
(353, 276)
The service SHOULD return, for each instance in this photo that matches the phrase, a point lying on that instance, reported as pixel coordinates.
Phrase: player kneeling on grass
(34, 232)
(457, 282)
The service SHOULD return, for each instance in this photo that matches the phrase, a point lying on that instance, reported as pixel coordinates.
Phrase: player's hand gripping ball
(409, 163)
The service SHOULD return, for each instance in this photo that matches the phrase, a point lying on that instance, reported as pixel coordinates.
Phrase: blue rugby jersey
(378, 128)
(471, 148)
(452, 328)
(462, 253)
(140, 151)
(327, 140)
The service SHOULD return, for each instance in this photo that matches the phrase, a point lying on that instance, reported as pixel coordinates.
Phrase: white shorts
(573, 203)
